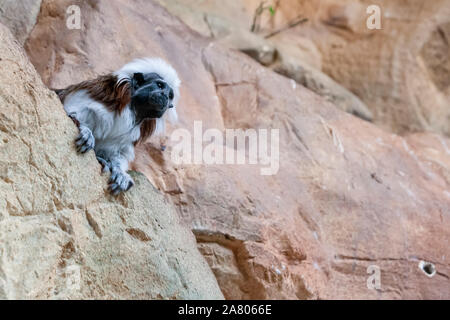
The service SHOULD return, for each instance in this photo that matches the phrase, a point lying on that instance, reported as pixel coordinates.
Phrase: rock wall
(62, 236)
(400, 72)
(296, 57)
(397, 71)
(19, 16)
(347, 196)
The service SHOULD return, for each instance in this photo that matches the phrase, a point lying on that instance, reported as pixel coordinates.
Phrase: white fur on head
(164, 70)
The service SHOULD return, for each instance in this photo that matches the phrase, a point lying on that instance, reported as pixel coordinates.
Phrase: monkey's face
(151, 96)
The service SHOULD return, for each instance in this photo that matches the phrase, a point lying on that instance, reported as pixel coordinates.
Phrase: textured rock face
(19, 16)
(347, 196)
(401, 56)
(400, 72)
(62, 236)
(324, 86)
(296, 57)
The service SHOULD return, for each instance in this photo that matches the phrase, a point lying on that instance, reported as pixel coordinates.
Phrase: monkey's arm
(85, 140)
(88, 115)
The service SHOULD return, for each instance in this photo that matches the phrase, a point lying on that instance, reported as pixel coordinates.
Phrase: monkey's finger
(120, 179)
(113, 186)
(85, 149)
(80, 141)
(113, 177)
(115, 189)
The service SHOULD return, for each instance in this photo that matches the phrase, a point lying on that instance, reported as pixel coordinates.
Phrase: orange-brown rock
(393, 70)
(291, 55)
(347, 195)
(400, 72)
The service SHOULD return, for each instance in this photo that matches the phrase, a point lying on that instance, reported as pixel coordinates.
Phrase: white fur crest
(164, 70)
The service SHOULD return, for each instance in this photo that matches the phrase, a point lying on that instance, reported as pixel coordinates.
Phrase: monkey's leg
(85, 140)
(106, 165)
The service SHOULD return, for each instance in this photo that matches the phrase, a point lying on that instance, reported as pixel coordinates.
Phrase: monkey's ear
(139, 78)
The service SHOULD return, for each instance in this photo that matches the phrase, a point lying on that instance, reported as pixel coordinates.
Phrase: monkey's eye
(160, 85)
(171, 95)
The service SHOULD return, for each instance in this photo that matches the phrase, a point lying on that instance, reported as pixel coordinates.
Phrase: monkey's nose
(161, 99)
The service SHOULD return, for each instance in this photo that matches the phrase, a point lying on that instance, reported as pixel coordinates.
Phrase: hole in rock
(428, 268)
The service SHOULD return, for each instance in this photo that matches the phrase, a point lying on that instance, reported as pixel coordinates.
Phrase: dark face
(151, 96)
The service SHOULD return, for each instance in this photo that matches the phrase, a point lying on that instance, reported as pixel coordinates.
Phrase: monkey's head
(151, 95)
(154, 87)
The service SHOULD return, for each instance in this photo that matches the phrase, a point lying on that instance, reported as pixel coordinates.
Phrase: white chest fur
(113, 133)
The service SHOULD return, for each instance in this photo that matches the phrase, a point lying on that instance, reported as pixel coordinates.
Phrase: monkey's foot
(120, 182)
(85, 140)
(106, 165)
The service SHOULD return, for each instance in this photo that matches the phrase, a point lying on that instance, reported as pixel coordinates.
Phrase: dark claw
(85, 148)
(113, 177)
(130, 184)
(113, 187)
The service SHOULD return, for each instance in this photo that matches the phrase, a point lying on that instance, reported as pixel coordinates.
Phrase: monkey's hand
(120, 181)
(85, 140)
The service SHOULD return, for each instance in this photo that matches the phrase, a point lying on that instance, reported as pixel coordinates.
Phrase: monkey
(116, 111)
